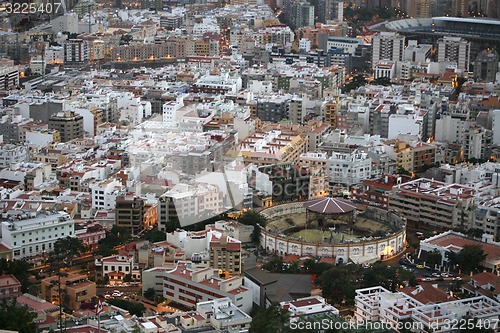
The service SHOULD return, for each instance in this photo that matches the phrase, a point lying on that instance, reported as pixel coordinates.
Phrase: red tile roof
(484, 278)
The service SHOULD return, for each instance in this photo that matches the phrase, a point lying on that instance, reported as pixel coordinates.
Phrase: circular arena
(335, 228)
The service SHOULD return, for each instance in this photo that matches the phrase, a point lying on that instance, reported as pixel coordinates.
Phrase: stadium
(334, 228)
(481, 32)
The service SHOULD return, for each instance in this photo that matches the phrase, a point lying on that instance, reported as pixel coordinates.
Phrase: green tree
(16, 317)
(69, 248)
(256, 233)
(150, 294)
(475, 232)
(133, 307)
(382, 81)
(127, 278)
(251, 217)
(275, 264)
(114, 237)
(339, 284)
(18, 268)
(126, 39)
(470, 258)
(433, 258)
(154, 236)
(381, 275)
(273, 319)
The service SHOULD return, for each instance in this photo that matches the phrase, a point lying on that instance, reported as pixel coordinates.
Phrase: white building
(456, 50)
(224, 315)
(54, 55)
(11, 154)
(35, 234)
(104, 193)
(346, 169)
(135, 111)
(116, 267)
(349, 45)
(190, 204)
(415, 52)
(307, 306)
(188, 286)
(387, 46)
(378, 304)
(496, 127)
(305, 45)
(384, 69)
(76, 51)
(404, 124)
(224, 81)
(209, 24)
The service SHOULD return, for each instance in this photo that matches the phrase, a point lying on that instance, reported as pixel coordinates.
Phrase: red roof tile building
(10, 287)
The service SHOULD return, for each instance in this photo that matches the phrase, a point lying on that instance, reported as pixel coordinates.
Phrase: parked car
(420, 266)
(445, 275)
(436, 274)
(457, 278)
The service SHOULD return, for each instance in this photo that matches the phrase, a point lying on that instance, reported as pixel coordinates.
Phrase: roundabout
(333, 227)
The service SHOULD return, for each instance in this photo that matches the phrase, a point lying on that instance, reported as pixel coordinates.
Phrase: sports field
(314, 235)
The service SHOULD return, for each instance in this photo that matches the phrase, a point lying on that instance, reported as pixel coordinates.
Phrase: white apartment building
(190, 204)
(11, 154)
(32, 234)
(209, 24)
(224, 315)
(384, 69)
(387, 46)
(349, 45)
(456, 50)
(188, 286)
(116, 267)
(306, 306)
(76, 51)
(496, 127)
(104, 193)
(379, 304)
(347, 169)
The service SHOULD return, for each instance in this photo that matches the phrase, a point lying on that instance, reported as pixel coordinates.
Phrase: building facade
(36, 233)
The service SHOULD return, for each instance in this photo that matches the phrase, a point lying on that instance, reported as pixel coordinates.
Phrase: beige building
(225, 254)
(430, 204)
(75, 290)
(69, 124)
(273, 147)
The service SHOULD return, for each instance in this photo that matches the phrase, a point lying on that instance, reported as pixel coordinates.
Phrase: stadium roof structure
(330, 205)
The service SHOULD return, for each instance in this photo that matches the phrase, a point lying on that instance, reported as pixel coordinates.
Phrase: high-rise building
(486, 65)
(387, 46)
(440, 7)
(69, 124)
(130, 213)
(298, 13)
(76, 51)
(460, 8)
(454, 49)
(225, 254)
(419, 8)
(328, 10)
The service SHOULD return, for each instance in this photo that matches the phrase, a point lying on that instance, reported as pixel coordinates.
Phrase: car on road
(445, 275)
(457, 278)
(436, 274)
(427, 279)
(420, 266)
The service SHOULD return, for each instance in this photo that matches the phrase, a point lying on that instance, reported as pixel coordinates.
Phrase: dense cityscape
(260, 166)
